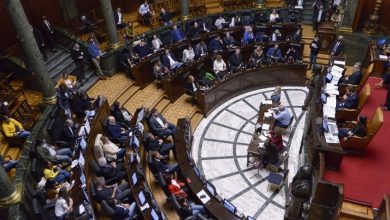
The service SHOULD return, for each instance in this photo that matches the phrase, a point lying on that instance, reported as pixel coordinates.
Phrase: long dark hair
(63, 193)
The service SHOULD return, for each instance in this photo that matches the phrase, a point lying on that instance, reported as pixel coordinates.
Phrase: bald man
(356, 75)
(115, 131)
(282, 117)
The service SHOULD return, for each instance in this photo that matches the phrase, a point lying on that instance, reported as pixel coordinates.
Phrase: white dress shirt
(219, 66)
(188, 55)
(144, 9)
(272, 17)
(219, 23)
(156, 44)
(158, 119)
(319, 15)
(119, 17)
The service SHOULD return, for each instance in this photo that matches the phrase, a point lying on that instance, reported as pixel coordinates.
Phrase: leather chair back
(98, 147)
(375, 122)
(352, 114)
(366, 73)
(107, 208)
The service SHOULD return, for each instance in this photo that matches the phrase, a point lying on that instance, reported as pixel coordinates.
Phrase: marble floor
(220, 146)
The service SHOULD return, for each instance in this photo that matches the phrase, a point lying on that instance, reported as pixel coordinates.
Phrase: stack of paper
(329, 111)
(267, 102)
(339, 62)
(331, 139)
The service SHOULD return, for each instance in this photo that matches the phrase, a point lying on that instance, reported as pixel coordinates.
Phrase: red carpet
(367, 178)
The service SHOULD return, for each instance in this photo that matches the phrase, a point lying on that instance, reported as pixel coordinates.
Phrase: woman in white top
(276, 36)
(219, 22)
(219, 67)
(188, 54)
(157, 43)
(64, 204)
(274, 16)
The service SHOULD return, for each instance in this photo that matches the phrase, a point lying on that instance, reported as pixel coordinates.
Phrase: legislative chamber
(194, 109)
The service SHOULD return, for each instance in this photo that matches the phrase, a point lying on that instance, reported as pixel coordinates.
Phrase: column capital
(14, 198)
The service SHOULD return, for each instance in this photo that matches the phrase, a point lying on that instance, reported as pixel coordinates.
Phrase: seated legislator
(235, 60)
(154, 143)
(83, 105)
(274, 54)
(68, 80)
(106, 192)
(55, 172)
(215, 44)
(111, 151)
(276, 95)
(297, 36)
(191, 86)
(111, 170)
(160, 126)
(63, 207)
(145, 12)
(257, 57)
(274, 17)
(292, 55)
(176, 187)
(188, 54)
(120, 113)
(53, 153)
(159, 70)
(129, 33)
(282, 117)
(204, 27)
(350, 100)
(276, 36)
(235, 21)
(360, 129)
(122, 210)
(248, 36)
(219, 67)
(165, 17)
(162, 166)
(176, 34)
(142, 50)
(355, 77)
(271, 155)
(190, 209)
(201, 49)
(128, 59)
(157, 43)
(13, 129)
(115, 131)
(228, 40)
(194, 30)
(68, 133)
(337, 47)
(169, 60)
(118, 17)
(64, 100)
(262, 17)
(219, 22)
(277, 139)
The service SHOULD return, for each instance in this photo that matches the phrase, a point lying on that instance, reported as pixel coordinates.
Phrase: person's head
(278, 89)
(91, 41)
(227, 34)
(277, 132)
(100, 182)
(142, 43)
(282, 108)
(276, 46)
(238, 51)
(84, 95)
(166, 51)
(111, 120)
(220, 17)
(217, 37)
(116, 105)
(145, 2)
(316, 38)
(174, 27)
(163, 10)
(155, 36)
(69, 123)
(155, 112)
(63, 193)
(196, 24)
(189, 46)
(157, 63)
(362, 119)
(51, 183)
(62, 87)
(155, 154)
(65, 75)
(218, 57)
(102, 161)
(340, 38)
(357, 67)
(190, 79)
(76, 46)
(202, 42)
(118, 9)
(277, 31)
(274, 11)
(112, 202)
(129, 24)
(321, 7)
(43, 17)
(49, 164)
(150, 136)
(104, 139)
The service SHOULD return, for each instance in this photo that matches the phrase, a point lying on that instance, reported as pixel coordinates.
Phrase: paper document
(265, 127)
(267, 114)
(145, 207)
(383, 57)
(339, 62)
(331, 139)
(263, 138)
(74, 163)
(202, 195)
(267, 102)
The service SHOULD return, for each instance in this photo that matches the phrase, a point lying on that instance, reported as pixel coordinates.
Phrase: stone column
(110, 24)
(9, 193)
(349, 9)
(259, 3)
(25, 35)
(185, 8)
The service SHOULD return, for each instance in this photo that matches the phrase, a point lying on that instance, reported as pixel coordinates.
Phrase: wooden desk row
(183, 141)
(142, 71)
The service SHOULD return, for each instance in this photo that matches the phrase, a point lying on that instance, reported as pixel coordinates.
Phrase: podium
(327, 33)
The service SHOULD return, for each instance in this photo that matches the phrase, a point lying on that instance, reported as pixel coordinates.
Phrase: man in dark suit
(215, 44)
(355, 77)
(165, 17)
(68, 133)
(118, 17)
(41, 42)
(201, 49)
(64, 99)
(78, 58)
(156, 144)
(274, 54)
(48, 32)
(194, 30)
(228, 41)
(319, 16)
(169, 60)
(235, 60)
(176, 34)
(115, 131)
(337, 47)
(350, 101)
(161, 166)
(160, 126)
(109, 171)
(142, 49)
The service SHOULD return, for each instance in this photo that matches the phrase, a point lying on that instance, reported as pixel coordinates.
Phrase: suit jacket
(190, 88)
(198, 49)
(77, 55)
(270, 53)
(69, 136)
(154, 125)
(352, 101)
(152, 145)
(354, 78)
(235, 61)
(165, 17)
(142, 51)
(323, 15)
(337, 51)
(214, 45)
(38, 37)
(46, 29)
(177, 35)
(194, 31)
(63, 100)
(118, 115)
(229, 41)
(165, 60)
(116, 17)
(160, 166)
(114, 131)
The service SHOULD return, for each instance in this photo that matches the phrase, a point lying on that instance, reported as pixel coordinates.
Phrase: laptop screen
(229, 206)
(323, 98)
(134, 178)
(250, 218)
(154, 215)
(141, 197)
(197, 171)
(210, 188)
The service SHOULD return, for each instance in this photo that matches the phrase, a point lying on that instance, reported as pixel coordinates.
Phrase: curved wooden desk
(251, 79)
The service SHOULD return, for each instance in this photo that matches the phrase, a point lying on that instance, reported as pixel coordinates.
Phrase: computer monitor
(141, 197)
(323, 98)
(325, 125)
(197, 171)
(328, 77)
(211, 188)
(229, 206)
(134, 178)
(250, 218)
(154, 215)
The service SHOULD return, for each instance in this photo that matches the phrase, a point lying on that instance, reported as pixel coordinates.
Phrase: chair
(350, 114)
(288, 129)
(98, 147)
(163, 184)
(107, 208)
(149, 160)
(98, 172)
(373, 125)
(36, 169)
(276, 180)
(365, 76)
(277, 167)
(39, 212)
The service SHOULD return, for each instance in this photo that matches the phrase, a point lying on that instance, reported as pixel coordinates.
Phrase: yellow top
(49, 173)
(69, 83)
(9, 128)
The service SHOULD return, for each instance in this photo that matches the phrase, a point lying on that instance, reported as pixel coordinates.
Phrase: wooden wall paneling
(365, 8)
(8, 34)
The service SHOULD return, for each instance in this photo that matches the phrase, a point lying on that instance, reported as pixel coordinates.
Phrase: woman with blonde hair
(276, 95)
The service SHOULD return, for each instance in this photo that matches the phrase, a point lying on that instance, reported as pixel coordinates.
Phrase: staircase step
(53, 56)
(89, 83)
(214, 10)
(57, 61)
(128, 93)
(162, 104)
(212, 5)
(66, 66)
(350, 210)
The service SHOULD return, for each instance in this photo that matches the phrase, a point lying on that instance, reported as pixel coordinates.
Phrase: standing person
(95, 53)
(145, 12)
(118, 17)
(165, 17)
(41, 42)
(63, 205)
(386, 83)
(312, 84)
(319, 17)
(48, 32)
(78, 58)
(314, 49)
(337, 48)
